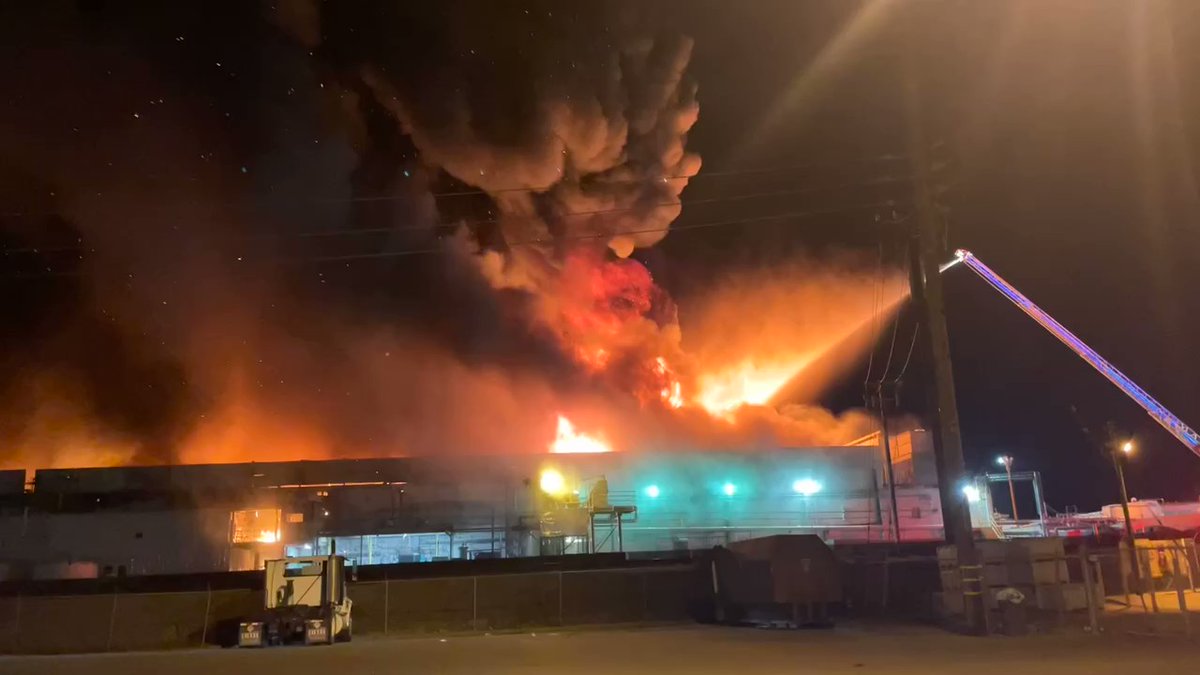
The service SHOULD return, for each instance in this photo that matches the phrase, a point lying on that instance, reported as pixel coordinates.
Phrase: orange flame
(747, 383)
(672, 389)
(595, 360)
(751, 342)
(568, 441)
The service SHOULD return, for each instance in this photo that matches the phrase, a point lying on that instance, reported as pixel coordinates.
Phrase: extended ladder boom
(1163, 416)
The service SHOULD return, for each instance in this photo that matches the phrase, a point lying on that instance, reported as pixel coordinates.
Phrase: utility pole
(876, 398)
(927, 250)
(1007, 461)
(1120, 467)
(1120, 453)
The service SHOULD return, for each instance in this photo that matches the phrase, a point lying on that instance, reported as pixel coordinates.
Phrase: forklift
(305, 603)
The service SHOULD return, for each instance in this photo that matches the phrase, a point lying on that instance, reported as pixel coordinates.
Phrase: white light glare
(552, 482)
(959, 256)
(971, 493)
(806, 487)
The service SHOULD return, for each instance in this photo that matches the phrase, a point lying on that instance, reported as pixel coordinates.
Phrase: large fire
(538, 314)
(746, 383)
(567, 441)
(751, 347)
(746, 344)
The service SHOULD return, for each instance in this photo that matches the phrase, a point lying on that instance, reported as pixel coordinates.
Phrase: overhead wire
(875, 296)
(755, 171)
(891, 350)
(542, 241)
(605, 235)
(881, 180)
(876, 181)
(891, 347)
(908, 358)
(877, 312)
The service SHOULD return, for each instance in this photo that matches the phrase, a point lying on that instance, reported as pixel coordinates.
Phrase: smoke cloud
(217, 277)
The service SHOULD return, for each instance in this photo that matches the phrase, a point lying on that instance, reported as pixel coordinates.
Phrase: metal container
(792, 579)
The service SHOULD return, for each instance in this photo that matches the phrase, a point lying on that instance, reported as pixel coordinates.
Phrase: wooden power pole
(927, 249)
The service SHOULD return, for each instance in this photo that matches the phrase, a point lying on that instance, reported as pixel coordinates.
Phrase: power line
(550, 240)
(881, 180)
(896, 219)
(629, 181)
(876, 294)
(886, 157)
(891, 350)
(607, 235)
(913, 343)
(887, 368)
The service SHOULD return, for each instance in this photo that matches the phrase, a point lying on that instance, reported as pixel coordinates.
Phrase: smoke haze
(195, 296)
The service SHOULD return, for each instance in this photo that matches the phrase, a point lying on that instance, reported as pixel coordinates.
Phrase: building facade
(201, 518)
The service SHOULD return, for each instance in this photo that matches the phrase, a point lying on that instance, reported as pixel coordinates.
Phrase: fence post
(1061, 601)
(1136, 559)
(112, 620)
(1125, 565)
(17, 627)
(1195, 568)
(645, 595)
(1176, 569)
(887, 578)
(1148, 580)
(560, 597)
(1089, 587)
(207, 609)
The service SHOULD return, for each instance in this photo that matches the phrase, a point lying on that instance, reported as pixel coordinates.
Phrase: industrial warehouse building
(202, 518)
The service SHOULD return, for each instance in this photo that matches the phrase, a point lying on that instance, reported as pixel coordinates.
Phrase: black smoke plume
(187, 173)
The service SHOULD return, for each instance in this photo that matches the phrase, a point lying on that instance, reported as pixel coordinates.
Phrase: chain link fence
(1153, 591)
(142, 621)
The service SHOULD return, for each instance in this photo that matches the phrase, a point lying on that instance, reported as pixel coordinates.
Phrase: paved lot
(663, 651)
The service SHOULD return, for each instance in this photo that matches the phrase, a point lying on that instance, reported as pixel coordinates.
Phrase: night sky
(1073, 136)
(1069, 128)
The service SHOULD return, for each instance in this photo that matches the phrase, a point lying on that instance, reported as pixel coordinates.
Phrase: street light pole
(1119, 464)
(1126, 449)
(1007, 461)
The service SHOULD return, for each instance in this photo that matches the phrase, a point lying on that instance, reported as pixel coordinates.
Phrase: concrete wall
(140, 621)
(143, 542)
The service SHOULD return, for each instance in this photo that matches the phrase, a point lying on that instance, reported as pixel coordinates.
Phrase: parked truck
(305, 602)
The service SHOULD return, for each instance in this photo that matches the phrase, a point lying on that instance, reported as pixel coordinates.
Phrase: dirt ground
(692, 650)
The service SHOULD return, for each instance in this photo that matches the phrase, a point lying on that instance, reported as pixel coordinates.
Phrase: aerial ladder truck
(1166, 418)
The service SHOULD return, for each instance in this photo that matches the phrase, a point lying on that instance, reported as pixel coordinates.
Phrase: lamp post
(1007, 461)
(1120, 453)
(1126, 449)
